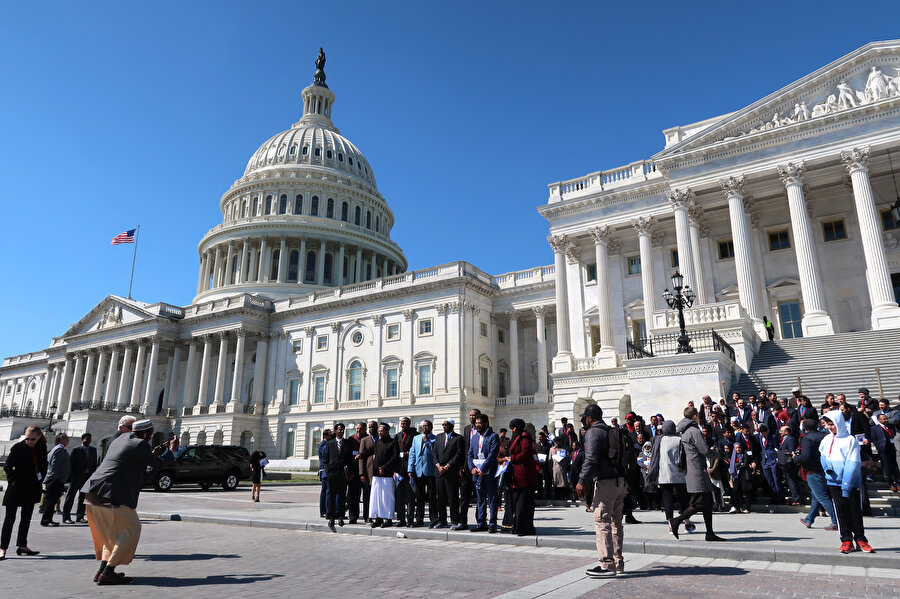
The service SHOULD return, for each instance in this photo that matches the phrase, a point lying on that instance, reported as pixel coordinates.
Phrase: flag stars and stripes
(126, 237)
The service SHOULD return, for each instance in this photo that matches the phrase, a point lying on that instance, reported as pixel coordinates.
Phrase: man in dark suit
(354, 480)
(58, 471)
(338, 456)
(83, 461)
(768, 443)
(112, 496)
(365, 461)
(448, 459)
(482, 463)
(323, 475)
(466, 484)
(403, 495)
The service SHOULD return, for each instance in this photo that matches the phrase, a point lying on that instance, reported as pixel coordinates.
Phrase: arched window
(356, 374)
(345, 211)
(340, 157)
(314, 208)
(377, 224)
(273, 276)
(244, 209)
(298, 204)
(329, 264)
(368, 272)
(282, 204)
(293, 149)
(255, 207)
(309, 275)
(318, 151)
(235, 269)
(268, 204)
(368, 219)
(293, 266)
(329, 154)
(357, 215)
(329, 208)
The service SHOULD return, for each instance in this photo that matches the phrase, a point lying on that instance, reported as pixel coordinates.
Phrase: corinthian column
(815, 319)
(137, 389)
(202, 393)
(259, 375)
(644, 227)
(98, 380)
(238, 377)
(148, 407)
(680, 200)
(513, 354)
(696, 214)
(541, 348)
(563, 360)
(122, 397)
(110, 396)
(88, 385)
(606, 357)
(219, 394)
(743, 264)
(885, 313)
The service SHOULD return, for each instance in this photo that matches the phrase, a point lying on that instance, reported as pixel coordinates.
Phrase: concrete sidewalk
(765, 537)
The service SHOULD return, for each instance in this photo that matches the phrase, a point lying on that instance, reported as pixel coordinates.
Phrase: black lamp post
(49, 428)
(679, 301)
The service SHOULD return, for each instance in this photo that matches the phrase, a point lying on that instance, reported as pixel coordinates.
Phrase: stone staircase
(840, 363)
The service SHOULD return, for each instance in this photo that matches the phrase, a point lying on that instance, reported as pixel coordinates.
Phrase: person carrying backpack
(699, 485)
(604, 471)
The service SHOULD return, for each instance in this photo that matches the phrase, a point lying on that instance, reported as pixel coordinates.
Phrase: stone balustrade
(636, 172)
(702, 315)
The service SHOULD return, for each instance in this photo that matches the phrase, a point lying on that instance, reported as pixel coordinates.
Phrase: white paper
(501, 469)
(558, 458)
(479, 462)
(355, 453)
(542, 457)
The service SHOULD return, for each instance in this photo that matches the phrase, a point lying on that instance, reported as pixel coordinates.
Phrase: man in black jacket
(83, 461)
(448, 458)
(466, 484)
(338, 457)
(809, 457)
(403, 496)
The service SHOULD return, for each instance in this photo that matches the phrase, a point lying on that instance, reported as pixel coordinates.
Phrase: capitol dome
(306, 214)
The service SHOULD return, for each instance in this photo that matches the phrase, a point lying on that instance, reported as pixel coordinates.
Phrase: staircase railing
(667, 344)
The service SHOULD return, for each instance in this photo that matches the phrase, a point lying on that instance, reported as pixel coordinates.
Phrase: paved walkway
(760, 537)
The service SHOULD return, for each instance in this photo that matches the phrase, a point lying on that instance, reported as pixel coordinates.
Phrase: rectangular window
(634, 265)
(297, 346)
(316, 437)
(501, 336)
(393, 332)
(289, 443)
(483, 328)
(779, 240)
(320, 389)
(484, 381)
(887, 220)
(726, 249)
(425, 327)
(294, 392)
(590, 272)
(501, 384)
(321, 342)
(834, 230)
(673, 254)
(392, 387)
(425, 379)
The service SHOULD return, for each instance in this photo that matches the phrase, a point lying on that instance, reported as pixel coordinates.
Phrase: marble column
(320, 264)
(374, 263)
(358, 265)
(563, 361)
(644, 227)
(513, 353)
(282, 261)
(816, 320)
(541, 348)
(229, 265)
(237, 379)
(125, 378)
(203, 391)
(217, 269)
(696, 215)
(200, 284)
(62, 400)
(680, 200)
(98, 380)
(885, 312)
(259, 374)
(47, 390)
(219, 394)
(137, 389)
(743, 261)
(244, 259)
(149, 399)
(338, 278)
(189, 395)
(172, 375)
(109, 399)
(75, 392)
(263, 272)
(494, 377)
(252, 273)
(88, 385)
(606, 357)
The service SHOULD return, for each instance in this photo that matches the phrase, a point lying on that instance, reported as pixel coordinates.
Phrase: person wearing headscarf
(841, 462)
(740, 470)
(667, 469)
(522, 476)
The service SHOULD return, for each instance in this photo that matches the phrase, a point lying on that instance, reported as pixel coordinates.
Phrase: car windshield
(180, 452)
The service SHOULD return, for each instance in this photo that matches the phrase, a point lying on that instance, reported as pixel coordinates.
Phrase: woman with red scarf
(523, 478)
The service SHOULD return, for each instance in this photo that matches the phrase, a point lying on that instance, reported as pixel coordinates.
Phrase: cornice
(604, 199)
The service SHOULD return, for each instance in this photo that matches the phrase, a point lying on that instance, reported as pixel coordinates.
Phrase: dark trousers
(323, 493)
(448, 497)
(466, 488)
(523, 502)
(486, 489)
(354, 490)
(671, 492)
(889, 464)
(425, 495)
(770, 471)
(335, 497)
(51, 496)
(366, 493)
(404, 500)
(73, 492)
(793, 481)
(24, 524)
(849, 514)
(740, 494)
(699, 502)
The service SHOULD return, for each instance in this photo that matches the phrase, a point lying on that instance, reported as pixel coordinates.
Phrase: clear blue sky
(115, 114)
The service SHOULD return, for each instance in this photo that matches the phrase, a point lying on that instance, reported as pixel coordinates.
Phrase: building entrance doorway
(789, 314)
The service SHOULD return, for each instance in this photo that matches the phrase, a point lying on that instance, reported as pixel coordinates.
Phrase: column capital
(643, 224)
(512, 315)
(377, 319)
(441, 309)
(454, 307)
(600, 234)
(559, 243)
(241, 333)
(733, 186)
(695, 213)
(856, 159)
(573, 254)
(791, 173)
(539, 311)
(408, 315)
(680, 198)
(495, 318)
(223, 335)
(335, 327)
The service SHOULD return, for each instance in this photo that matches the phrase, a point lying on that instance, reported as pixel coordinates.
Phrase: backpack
(625, 457)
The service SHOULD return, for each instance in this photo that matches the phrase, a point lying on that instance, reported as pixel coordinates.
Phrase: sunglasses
(31, 438)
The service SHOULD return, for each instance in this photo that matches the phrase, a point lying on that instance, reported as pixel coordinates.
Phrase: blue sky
(116, 114)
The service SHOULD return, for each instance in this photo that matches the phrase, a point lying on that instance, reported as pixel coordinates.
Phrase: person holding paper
(482, 463)
(258, 461)
(559, 464)
(523, 478)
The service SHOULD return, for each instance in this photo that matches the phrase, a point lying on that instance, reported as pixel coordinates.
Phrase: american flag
(126, 237)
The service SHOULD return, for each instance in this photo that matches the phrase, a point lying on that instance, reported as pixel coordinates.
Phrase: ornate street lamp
(682, 298)
(49, 428)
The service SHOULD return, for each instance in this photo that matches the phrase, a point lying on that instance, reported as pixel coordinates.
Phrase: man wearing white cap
(111, 496)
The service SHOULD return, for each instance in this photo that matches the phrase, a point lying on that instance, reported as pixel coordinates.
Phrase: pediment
(865, 80)
(113, 311)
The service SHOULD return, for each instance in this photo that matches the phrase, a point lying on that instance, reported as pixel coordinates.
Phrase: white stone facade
(305, 314)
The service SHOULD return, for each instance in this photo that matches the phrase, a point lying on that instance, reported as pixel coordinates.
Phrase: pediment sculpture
(111, 316)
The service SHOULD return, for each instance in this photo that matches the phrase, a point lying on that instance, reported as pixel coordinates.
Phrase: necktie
(339, 444)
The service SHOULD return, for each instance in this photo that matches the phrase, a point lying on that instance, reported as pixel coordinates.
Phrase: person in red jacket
(523, 477)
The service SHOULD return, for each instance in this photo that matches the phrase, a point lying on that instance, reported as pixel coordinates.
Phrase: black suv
(207, 465)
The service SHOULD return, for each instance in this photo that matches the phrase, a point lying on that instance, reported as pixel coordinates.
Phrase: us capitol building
(305, 313)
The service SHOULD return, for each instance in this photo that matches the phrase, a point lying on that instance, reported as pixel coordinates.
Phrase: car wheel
(231, 481)
(163, 482)
(205, 486)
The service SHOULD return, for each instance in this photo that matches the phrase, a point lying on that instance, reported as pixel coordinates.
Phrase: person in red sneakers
(843, 475)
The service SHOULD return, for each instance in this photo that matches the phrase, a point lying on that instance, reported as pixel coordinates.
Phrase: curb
(686, 549)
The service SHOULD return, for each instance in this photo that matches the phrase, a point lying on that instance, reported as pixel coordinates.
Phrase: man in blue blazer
(482, 463)
(768, 446)
(421, 472)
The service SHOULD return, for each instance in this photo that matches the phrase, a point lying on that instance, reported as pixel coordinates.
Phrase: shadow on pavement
(186, 557)
(679, 570)
(760, 539)
(169, 581)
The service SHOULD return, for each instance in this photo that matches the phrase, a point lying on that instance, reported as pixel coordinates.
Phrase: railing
(526, 400)
(640, 171)
(703, 314)
(667, 345)
(500, 402)
(248, 408)
(99, 408)
(524, 277)
(26, 413)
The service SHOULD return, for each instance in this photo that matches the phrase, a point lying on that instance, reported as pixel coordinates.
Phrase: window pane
(425, 380)
(634, 265)
(355, 381)
(320, 389)
(295, 392)
(289, 444)
(392, 377)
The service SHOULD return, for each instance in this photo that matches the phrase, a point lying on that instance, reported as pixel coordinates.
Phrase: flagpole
(133, 259)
